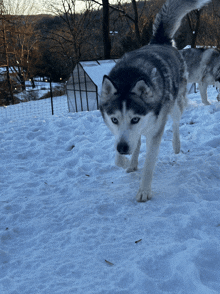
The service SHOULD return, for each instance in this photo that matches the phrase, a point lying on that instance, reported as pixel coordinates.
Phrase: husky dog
(142, 89)
(203, 66)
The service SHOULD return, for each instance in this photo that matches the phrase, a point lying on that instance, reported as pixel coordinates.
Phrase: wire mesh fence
(41, 108)
(45, 99)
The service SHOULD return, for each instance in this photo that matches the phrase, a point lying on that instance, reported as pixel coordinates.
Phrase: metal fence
(41, 108)
(82, 93)
(55, 104)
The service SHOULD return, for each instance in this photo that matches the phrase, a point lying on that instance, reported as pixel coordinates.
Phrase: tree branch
(116, 9)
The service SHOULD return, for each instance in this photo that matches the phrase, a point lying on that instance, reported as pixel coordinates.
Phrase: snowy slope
(69, 219)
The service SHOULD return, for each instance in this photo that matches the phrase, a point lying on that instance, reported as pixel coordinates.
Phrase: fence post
(97, 97)
(51, 96)
(80, 92)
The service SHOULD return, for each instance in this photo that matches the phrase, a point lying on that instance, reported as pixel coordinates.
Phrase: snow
(69, 220)
(96, 70)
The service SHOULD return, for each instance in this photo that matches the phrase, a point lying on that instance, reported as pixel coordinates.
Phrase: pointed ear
(154, 75)
(141, 88)
(108, 88)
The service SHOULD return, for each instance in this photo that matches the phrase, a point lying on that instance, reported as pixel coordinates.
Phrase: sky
(40, 6)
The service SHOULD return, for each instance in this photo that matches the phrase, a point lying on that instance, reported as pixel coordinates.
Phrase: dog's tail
(169, 19)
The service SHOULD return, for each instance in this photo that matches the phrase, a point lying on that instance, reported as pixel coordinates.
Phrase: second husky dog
(143, 88)
(203, 66)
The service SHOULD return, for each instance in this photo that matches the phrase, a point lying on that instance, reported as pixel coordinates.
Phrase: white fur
(107, 88)
(152, 128)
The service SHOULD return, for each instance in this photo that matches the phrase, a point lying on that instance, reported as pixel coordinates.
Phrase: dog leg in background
(203, 93)
(176, 137)
(217, 85)
(134, 159)
(144, 192)
(176, 116)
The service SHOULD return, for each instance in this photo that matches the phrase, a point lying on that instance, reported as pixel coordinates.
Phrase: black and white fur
(143, 88)
(203, 66)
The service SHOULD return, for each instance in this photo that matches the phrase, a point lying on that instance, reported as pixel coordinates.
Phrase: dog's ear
(154, 75)
(108, 89)
(141, 88)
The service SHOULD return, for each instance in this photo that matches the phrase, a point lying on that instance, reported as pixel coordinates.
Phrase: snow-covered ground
(69, 220)
(41, 88)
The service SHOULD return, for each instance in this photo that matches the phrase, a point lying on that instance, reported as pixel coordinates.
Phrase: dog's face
(127, 117)
(126, 126)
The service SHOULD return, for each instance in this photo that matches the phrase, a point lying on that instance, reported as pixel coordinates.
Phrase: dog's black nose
(123, 148)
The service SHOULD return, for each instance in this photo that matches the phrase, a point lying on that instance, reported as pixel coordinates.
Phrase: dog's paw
(122, 161)
(131, 169)
(176, 144)
(143, 195)
(176, 148)
(206, 102)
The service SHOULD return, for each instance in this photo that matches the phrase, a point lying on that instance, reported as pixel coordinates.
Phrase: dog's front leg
(144, 192)
(134, 158)
(121, 160)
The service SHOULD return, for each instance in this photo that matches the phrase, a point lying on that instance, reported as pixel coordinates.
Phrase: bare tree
(24, 40)
(6, 87)
(105, 22)
(18, 41)
(72, 37)
(212, 21)
(19, 7)
(194, 24)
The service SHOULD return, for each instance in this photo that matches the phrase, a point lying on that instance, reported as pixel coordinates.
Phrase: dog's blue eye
(135, 120)
(114, 120)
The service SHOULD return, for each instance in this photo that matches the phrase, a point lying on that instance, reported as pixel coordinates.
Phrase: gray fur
(203, 66)
(143, 88)
(171, 14)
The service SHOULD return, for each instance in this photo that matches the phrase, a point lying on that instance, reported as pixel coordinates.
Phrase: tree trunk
(137, 32)
(21, 78)
(10, 98)
(105, 30)
(196, 30)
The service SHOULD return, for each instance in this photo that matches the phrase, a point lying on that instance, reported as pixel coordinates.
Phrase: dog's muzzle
(123, 148)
